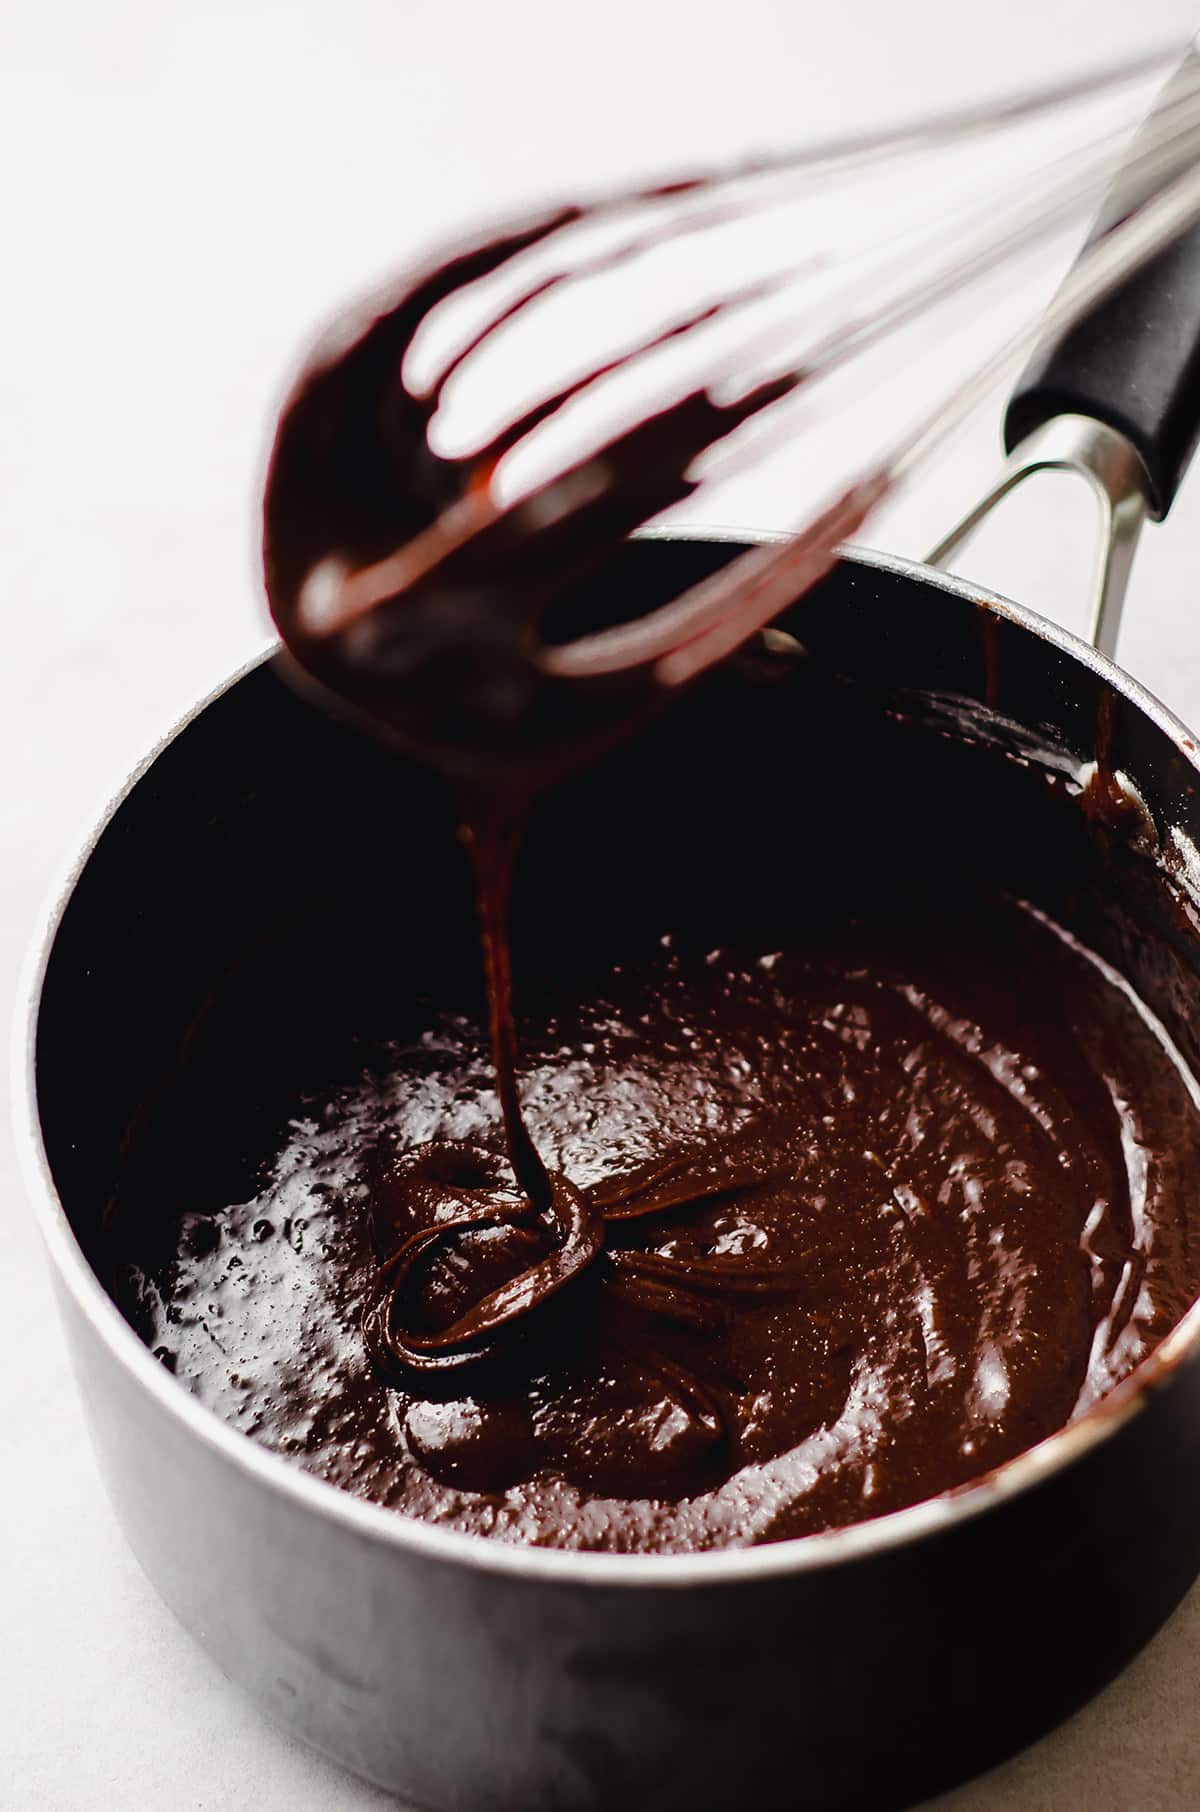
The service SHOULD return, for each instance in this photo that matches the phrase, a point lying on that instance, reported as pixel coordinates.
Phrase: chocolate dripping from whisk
(492, 828)
(444, 665)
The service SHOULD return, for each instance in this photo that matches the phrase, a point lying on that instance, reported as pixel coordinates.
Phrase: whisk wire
(753, 383)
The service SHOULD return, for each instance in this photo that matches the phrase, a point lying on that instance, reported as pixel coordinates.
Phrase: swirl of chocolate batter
(435, 1176)
(472, 1336)
(697, 1294)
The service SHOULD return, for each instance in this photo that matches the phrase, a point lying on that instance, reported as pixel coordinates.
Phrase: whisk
(407, 554)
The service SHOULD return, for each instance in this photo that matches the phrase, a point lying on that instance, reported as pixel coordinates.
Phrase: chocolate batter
(837, 1223)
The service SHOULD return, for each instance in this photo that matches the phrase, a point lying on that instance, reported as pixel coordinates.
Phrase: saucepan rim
(392, 1529)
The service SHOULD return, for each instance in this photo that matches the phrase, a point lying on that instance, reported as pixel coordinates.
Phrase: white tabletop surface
(186, 192)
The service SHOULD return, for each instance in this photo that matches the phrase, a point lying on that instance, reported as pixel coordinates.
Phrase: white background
(186, 192)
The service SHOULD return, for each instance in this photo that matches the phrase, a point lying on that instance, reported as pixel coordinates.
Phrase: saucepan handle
(1116, 398)
(1133, 362)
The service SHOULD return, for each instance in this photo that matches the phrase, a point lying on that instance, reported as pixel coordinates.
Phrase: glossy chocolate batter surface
(841, 1218)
